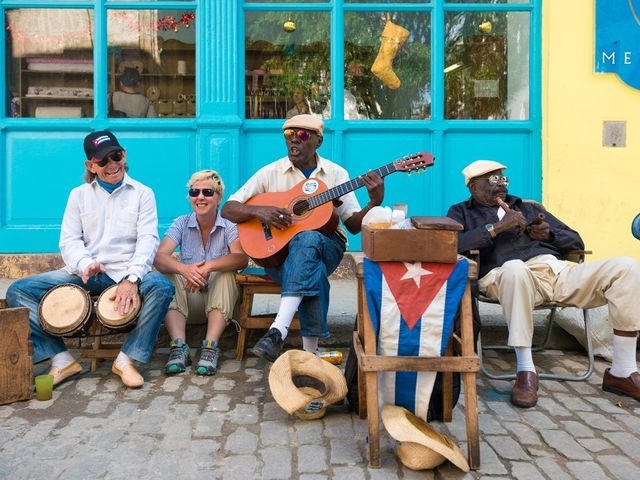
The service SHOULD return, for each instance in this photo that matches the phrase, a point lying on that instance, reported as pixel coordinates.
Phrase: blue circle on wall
(635, 227)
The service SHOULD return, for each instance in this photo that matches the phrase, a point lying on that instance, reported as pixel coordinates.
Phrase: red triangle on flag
(415, 285)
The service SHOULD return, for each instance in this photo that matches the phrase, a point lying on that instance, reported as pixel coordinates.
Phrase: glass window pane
(487, 1)
(286, 1)
(386, 1)
(49, 62)
(286, 63)
(152, 63)
(401, 87)
(487, 65)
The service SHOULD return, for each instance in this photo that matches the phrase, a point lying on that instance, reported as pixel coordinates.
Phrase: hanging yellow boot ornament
(393, 37)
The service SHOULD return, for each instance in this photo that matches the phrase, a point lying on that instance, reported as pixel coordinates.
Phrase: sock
(393, 36)
(122, 360)
(286, 311)
(62, 359)
(310, 344)
(624, 356)
(524, 359)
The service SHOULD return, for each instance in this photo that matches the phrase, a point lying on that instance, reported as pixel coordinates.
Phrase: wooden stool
(252, 281)
(99, 351)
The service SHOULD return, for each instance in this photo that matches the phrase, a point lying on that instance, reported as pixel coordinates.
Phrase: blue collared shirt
(185, 231)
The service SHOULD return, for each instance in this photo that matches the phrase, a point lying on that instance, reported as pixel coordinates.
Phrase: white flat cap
(480, 167)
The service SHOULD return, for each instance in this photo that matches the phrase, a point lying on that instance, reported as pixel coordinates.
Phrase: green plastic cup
(44, 387)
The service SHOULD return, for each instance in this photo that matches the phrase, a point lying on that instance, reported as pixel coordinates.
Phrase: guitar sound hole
(301, 207)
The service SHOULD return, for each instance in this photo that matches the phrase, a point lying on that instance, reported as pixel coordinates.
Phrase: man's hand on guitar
(274, 216)
(375, 187)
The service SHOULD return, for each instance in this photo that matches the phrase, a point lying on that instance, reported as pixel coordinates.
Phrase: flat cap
(306, 121)
(480, 167)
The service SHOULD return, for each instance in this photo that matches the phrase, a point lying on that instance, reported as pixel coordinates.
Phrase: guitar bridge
(267, 231)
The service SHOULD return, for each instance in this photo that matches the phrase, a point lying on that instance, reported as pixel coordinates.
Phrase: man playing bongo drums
(109, 236)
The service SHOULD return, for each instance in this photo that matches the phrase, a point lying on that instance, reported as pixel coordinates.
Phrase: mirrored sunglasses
(207, 192)
(114, 156)
(302, 135)
(498, 180)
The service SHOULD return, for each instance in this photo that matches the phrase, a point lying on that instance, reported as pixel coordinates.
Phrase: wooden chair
(369, 364)
(254, 281)
(577, 256)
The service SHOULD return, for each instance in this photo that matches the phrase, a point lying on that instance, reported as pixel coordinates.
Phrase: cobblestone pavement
(229, 427)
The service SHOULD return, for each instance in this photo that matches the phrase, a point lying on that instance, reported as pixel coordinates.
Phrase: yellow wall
(594, 189)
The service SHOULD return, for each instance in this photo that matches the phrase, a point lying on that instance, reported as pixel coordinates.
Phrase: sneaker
(269, 346)
(179, 357)
(209, 355)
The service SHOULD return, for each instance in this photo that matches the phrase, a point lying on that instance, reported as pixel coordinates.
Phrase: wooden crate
(16, 379)
(433, 239)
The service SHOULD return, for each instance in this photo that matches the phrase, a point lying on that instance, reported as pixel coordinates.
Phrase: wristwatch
(490, 229)
(133, 279)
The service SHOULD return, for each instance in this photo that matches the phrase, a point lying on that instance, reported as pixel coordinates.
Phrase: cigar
(536, 221)
(502, 204)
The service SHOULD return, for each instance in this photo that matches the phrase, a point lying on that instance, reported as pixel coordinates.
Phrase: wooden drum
(65, 311)
(110, 318)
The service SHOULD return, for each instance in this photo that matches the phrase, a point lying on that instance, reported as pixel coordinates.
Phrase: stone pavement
(228, 427)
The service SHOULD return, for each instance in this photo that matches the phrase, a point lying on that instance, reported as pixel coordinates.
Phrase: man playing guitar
(312, 255)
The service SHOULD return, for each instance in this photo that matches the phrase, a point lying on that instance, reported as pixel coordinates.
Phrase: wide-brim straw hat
(422, 447)
(298, 377)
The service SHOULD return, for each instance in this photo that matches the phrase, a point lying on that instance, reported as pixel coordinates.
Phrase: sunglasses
(207, 192)
(497, 180)
(114, 156)
(302, 135)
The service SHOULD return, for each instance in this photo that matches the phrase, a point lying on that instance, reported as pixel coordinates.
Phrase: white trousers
(520, 286)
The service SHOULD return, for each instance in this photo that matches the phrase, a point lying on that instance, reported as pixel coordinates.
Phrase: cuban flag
(412, 307)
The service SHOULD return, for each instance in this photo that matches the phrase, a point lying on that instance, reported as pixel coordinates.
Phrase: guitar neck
(344, 188)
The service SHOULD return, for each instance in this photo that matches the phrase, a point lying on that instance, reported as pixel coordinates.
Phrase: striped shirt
(185, 231)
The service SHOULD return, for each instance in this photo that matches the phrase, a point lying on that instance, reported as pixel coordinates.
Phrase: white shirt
(118, 230)
(282, 175)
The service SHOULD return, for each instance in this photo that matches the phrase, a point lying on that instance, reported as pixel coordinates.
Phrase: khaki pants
(221, 294)
(520, 286)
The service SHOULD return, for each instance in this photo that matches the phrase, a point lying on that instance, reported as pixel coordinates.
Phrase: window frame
(437, 10)
(100, 10)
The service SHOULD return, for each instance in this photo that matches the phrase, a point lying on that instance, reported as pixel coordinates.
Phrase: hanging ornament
(289, 26)
(485, 27)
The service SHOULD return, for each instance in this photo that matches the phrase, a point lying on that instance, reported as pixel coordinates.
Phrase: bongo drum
(110, 318)
(65, 311)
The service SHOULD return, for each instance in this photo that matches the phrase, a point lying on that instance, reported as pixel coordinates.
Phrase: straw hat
(422, 447)
(297, 378)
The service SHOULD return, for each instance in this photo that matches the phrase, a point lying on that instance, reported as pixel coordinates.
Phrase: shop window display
(49, 62)
(286, 63)
(487, 65)
(151, 63)
(387, 65)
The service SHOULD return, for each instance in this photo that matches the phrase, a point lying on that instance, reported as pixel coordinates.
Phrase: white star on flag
(415, 272)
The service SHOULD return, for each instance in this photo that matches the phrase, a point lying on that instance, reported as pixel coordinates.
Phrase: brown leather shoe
(629, 386)
(60, 374)
(525, 390)
(129, 375)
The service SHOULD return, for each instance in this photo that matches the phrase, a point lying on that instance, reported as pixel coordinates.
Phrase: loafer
(525, 390)
(129, 375)
(61, 374)
(629, 386)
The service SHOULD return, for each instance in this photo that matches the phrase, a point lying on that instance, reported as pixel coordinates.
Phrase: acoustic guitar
(311, 209)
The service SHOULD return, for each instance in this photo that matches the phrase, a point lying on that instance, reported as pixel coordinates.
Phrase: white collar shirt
(118, 230)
